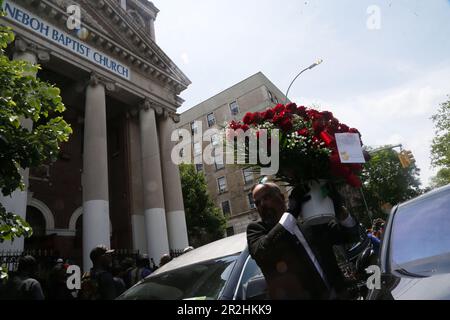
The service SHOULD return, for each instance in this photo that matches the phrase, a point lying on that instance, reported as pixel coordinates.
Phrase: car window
(203, 280)
(251, 269)
(420, 235)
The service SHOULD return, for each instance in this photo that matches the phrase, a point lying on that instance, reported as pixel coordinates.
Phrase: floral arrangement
(307, 146)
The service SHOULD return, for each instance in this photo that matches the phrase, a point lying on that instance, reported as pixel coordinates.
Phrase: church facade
(114, 182)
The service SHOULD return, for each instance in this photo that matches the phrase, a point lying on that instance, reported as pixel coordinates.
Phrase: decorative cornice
(96, 79)
(148, 103)
(154, 62)
(24, 45)
(175, 117)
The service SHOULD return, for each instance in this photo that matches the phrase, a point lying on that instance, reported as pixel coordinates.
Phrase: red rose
(303, 132)
(318, 126)
(291, 107)
(278, 108)
(332, 125)
(315, 140)
(257, 117)
(313, 114)
(334, 158)
(235, 125)
(343, 128)
(286, 125)
(301, 111)
(245, 127)
(248, 118)
(277, 119)
(269, 114)
(327, 138)
(326, 115)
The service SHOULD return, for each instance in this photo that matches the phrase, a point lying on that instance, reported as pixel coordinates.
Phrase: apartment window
(199, 167)
(218, 160)
(234, 108)
(251, 201)
(230, 231)
(194, 127)
(211, 119)
(248, 176)
(219, 165)
(226, 208)
(222, 183)
(197, 148)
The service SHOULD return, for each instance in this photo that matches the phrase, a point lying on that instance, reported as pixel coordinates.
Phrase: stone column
(151, 23)
(17, 201)
(136, 195)
(155, 217)
(96, 228)
(173, 196)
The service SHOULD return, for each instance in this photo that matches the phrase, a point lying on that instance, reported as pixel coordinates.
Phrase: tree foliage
(205, 222)
(386, 182)
(441, 178)
(440, 147)
(23, 96)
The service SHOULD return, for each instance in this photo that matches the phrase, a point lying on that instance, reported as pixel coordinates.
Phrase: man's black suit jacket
(289, 272)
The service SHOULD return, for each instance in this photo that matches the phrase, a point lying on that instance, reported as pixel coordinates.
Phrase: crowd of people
(107, 279)
(297, 260)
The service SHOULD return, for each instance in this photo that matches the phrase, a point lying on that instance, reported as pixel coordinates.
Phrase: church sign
(61, 38)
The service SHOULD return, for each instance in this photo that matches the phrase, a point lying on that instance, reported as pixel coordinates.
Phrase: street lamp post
(308, 68)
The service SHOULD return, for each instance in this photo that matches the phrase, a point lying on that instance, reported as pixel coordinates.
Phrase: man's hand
(296, 199)
(338, 202)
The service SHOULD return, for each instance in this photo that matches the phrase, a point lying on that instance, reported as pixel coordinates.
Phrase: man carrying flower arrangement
(298, 261)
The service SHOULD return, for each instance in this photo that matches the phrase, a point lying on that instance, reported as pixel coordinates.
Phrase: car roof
(220, 248)
(425, 196)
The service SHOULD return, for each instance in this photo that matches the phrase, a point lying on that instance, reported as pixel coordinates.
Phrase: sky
(385, 70)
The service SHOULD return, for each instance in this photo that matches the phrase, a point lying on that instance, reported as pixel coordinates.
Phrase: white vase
(318, 209)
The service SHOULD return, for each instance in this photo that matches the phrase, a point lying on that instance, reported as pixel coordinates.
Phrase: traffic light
(406, 158)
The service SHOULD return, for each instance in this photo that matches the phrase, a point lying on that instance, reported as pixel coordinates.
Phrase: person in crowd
(23, 285)
(57, 282)
(378, 228)
(98, 283)
(117, 278)
(164, 259)
(142, 269)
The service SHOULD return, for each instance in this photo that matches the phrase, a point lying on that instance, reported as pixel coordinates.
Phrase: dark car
(415, 251)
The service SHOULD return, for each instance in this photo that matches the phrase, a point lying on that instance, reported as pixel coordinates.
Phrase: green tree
(441, 178)
(205, 222)
(23, 96)
(440, 147)
(386, 182)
